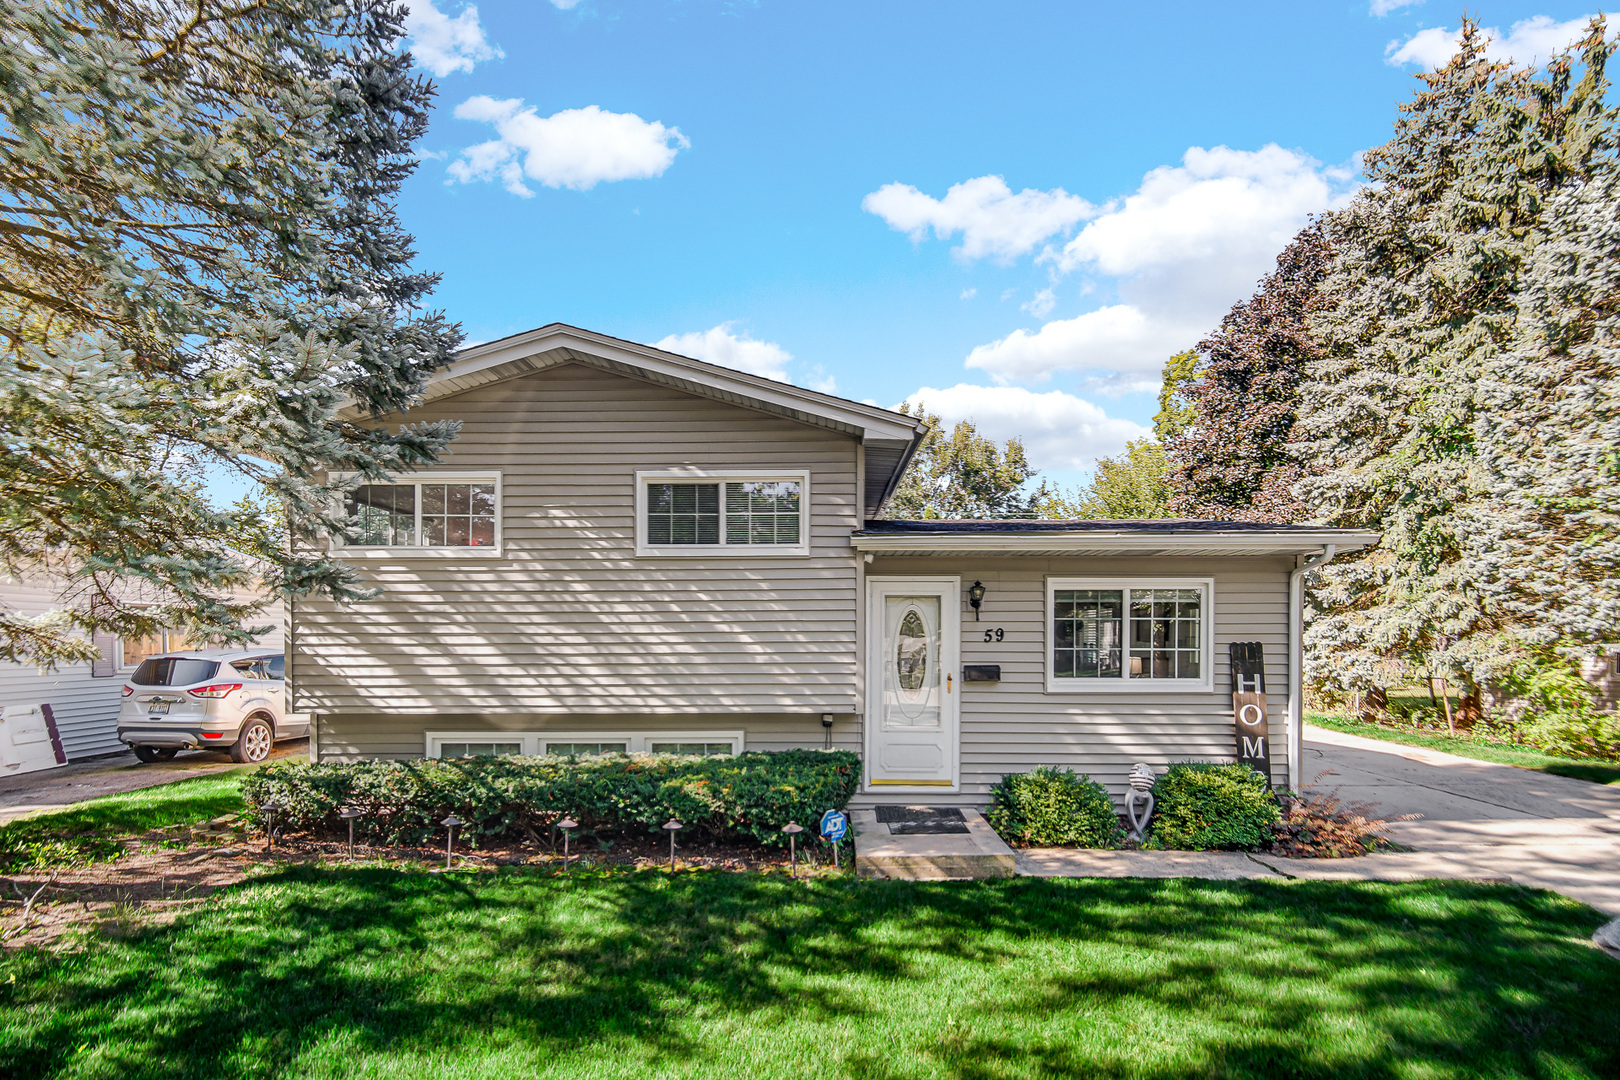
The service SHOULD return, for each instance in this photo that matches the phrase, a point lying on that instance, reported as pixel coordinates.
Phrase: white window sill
(729, 551)
(417, 552)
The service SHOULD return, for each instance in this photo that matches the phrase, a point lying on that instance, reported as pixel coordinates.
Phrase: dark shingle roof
(1025, 526)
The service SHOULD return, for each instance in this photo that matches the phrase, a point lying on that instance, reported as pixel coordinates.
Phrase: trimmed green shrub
(1052, 806)
(752, 794)
(1201, 806)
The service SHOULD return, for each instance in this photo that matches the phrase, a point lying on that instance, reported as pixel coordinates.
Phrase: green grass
(378, 973)
(90, 831)
(1598, 772)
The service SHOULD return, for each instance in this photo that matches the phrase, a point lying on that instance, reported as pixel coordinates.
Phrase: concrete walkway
(52, 789)
(1480, 821)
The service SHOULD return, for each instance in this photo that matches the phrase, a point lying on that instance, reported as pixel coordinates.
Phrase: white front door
(912, 685)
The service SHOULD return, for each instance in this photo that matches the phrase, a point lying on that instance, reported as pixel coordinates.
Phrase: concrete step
(979, 853)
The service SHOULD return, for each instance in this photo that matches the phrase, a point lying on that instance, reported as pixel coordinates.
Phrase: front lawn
(374, 972)
(95, 830)
(1598, 772)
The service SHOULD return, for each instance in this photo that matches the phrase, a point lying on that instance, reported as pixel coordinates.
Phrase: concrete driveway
(51, 789)
(1480, 821)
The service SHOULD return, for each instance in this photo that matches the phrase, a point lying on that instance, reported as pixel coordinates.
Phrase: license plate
(158, 708)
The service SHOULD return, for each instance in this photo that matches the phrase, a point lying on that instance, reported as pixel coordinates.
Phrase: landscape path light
(349, 813)
(793, 829)
(450, 824)
(268, 808)
(672, 826)
(565, 824)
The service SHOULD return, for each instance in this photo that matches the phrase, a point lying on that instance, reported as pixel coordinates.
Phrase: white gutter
(1296, 659)
(1111, 540)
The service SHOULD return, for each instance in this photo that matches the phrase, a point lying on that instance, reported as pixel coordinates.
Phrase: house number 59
(998, 634)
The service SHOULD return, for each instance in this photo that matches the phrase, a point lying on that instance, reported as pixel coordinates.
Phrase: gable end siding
(569, 621)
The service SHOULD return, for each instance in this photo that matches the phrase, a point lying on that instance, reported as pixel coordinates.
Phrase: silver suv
(208, 699)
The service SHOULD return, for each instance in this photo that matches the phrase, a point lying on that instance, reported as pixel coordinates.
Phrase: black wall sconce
(975, 598)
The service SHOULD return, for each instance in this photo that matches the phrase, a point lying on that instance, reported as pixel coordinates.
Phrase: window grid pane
(458, 515)
(700, 749)
(1086, 626)
(581, 749)
(762, 512)
(683, 514)
(1166, 634)
(387, 513)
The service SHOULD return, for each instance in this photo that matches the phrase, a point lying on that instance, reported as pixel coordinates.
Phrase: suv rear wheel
(150, 754)
(254, 743)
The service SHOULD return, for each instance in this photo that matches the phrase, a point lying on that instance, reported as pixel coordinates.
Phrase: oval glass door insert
(911, 652)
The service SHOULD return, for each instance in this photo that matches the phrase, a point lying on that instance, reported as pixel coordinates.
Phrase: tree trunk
(1469, 709)
(1374, 705)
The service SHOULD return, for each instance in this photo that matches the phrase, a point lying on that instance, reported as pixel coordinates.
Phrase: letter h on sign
(1249, 705)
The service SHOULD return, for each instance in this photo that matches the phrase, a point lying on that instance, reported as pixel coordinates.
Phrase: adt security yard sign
(833, 826)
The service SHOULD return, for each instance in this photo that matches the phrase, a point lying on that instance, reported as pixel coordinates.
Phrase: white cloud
(968, 294)
(1190, 242)
(576, 148)
(569, 5)
(718, 345)
(1122, 348)
(1060, 431)
(1529, 42)
(1379, 8)
(444, 45)
(1216, 203)
(994, 222)
(1042, 304)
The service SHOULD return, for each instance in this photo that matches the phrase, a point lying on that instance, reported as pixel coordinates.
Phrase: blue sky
(1014, 210)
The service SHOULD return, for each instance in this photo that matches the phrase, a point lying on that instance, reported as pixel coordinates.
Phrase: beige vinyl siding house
(632, 550)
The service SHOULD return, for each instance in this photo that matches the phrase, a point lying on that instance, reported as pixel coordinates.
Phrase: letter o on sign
(1251, 714)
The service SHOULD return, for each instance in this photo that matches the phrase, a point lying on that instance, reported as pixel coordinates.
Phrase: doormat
(922, 820)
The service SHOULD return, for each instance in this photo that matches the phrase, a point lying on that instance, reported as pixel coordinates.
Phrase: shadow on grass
(696, 974)
(1597, 774)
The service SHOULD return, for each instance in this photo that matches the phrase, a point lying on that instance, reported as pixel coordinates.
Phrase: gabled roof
(1143, 536)
(889, 437)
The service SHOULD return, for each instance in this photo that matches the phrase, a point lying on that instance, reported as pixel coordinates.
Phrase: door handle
(947, 682)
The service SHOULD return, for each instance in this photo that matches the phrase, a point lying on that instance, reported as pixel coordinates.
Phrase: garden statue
(1139, 799)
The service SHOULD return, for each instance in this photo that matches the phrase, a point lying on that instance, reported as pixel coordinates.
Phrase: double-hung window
(428, 514)
(692, 512)
(1112, 634)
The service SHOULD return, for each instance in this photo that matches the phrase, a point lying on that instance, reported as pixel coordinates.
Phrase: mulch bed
(161, 877)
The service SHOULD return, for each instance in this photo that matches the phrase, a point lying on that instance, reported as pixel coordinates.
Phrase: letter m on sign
(1249, 706)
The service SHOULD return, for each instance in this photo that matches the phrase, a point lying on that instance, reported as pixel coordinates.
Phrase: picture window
(1128, 635)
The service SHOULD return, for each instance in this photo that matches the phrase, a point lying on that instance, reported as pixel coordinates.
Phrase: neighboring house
(632, 550)
(1603, 672)
(75, 706)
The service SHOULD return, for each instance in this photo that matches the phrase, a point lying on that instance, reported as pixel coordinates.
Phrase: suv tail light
(219, 689)
(128, 690)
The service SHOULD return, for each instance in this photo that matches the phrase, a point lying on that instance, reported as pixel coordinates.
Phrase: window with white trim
(433, 512)
(131, 651)
(690, 512)
(1109, 634)
(453, 744)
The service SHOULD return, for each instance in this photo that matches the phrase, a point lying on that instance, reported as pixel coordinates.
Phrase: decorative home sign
(1249, 705)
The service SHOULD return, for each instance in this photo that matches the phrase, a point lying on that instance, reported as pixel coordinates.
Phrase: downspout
(1296, 660)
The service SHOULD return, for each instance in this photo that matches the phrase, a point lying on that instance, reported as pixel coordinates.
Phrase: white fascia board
(871, 421)
(1123, 542)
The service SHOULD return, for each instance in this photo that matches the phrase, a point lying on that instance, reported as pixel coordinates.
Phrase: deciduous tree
(962, 474)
